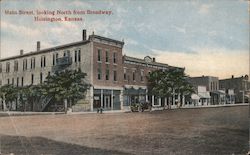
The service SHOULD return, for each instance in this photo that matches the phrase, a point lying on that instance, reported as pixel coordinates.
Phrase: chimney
(38, 45)
(84, 36)
(153, 59)
(232, 76)
(21, 52)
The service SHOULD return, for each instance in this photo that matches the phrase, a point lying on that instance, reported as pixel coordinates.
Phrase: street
(221, 130)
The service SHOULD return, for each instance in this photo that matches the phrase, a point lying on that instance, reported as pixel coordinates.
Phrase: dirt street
(221, 130)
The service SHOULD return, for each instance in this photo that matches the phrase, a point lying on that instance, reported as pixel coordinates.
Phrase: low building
(212, 86)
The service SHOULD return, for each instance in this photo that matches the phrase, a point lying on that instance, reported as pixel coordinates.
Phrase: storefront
(133, 95)
(108, 99)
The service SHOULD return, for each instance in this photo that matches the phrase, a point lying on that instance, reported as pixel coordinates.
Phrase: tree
(8, 93)
(167, 83)
(68, 85)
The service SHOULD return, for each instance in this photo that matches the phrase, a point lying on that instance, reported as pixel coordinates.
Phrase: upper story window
(133, 76)
(7, 67)
(25, 65)
(32, 78)
(107, 56)
(22, 81)
(17, 82)
(99, 55)
(114, 58)
(66, 53)
(115, 75)
(77, 55)
(125, 73)
(54, 60)
(41, 77)
(99, 72)
(43, 61)
(142, 75)
(1, 68)
(32, 63)
(107, 72)
(15, 66)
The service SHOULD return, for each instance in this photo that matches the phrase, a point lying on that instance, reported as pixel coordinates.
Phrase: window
(53, 60)
(7, 67)
(133, 75)
(107, 72)
(12, 81)
(8, 81)
(125, 74)
(24, 64)
(32, 63)
(107, 56)
(22, 81)
(56, 58)
(48, 73)
(1, 68)
(114, 58)
(79, 55)
(75, 56)
(17, 81)
(41, 77)
(32, 78)
(142, 75)
(115, 75)
(99, 55)
(99, 72)
(15, 66)
(0, 82)
(43, 61)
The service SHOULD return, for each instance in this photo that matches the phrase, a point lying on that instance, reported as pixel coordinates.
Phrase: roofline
(204, 77)
(154, 63)
(105, 38)
(46, 50)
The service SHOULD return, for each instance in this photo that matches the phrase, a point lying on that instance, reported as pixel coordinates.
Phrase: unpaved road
(221, 130)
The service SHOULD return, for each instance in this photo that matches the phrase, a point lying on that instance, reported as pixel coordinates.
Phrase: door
(107, 102)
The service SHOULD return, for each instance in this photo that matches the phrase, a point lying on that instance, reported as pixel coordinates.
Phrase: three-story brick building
(116, 80)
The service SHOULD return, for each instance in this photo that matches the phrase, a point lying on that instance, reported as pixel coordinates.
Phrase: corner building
(116, 80)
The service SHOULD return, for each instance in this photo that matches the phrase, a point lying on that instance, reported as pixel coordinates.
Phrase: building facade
(239, 85)
(116, 80)
(211, 94)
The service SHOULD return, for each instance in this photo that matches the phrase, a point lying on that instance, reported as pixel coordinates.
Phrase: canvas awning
(195, 97)
(204, 95)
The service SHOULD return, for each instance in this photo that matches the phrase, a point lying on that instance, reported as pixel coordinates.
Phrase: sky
(207, 37)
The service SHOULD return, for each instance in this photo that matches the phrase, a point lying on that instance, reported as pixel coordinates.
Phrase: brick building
(240, 86)
(211, 84)
(116, 80)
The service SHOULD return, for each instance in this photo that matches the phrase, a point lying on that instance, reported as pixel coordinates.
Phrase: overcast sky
(206, 37)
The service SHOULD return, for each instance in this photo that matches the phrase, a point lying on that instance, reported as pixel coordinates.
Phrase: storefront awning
(204, 95)
(195, 97)
(134, 87)
(219, 92)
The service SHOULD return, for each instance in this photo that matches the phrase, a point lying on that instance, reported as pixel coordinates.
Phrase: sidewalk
(214, 106)
(20, 113)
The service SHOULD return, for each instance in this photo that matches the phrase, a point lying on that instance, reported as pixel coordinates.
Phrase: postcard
(124, 77)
